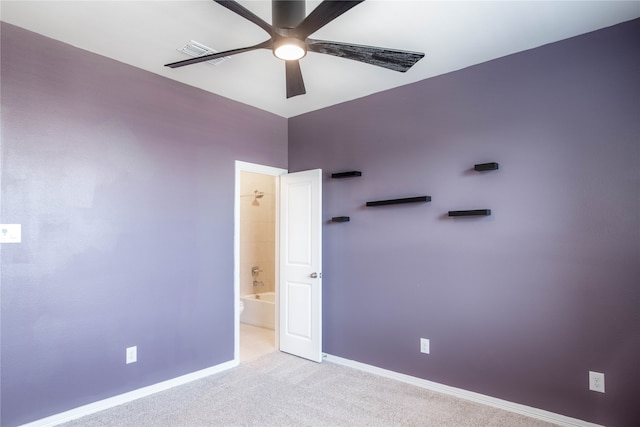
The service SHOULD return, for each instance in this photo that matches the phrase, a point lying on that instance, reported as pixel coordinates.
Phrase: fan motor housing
(287, 13)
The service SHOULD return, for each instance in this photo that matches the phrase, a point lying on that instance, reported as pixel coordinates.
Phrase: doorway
(256, 260)
(297, 296)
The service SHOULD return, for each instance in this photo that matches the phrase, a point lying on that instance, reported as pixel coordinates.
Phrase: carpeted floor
(283, 390)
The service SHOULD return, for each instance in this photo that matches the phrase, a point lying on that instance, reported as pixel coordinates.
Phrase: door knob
(314, 275)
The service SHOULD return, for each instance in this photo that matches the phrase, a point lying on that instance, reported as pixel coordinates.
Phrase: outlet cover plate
(425, 346)
(596, 381)
(132, 354)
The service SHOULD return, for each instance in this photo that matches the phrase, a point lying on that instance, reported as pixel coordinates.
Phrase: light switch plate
(10, 233)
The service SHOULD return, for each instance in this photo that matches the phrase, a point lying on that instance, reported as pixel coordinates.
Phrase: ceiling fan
(290, 40)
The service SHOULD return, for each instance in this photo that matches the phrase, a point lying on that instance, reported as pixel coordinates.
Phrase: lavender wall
(123, 183)
(519, 305)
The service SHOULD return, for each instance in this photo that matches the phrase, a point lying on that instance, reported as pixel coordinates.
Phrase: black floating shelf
(340, 219)
(418, 199)
(475, 212)
(346, 174)
(486, 166)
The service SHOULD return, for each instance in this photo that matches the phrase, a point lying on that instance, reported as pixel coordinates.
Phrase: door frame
(241, 166)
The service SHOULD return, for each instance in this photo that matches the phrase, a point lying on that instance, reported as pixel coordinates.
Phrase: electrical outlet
(424, 346)
(596, 381)
(132, 354)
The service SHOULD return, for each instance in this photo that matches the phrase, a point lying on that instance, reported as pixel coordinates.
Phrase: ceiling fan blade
(295, 83)
(393, 59)
(245, 13)
(264, 45)
(324, 13)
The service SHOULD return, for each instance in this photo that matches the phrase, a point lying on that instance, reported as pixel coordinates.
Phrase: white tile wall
(257, 231)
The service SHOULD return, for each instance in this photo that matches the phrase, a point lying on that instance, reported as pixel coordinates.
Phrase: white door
(300, 292)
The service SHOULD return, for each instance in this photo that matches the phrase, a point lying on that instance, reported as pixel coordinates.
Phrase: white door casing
(300, 290)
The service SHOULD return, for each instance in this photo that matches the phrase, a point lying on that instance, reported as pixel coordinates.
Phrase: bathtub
(259, 309)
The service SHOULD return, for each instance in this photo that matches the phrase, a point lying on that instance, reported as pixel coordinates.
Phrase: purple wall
(519, 305)
(123, 183)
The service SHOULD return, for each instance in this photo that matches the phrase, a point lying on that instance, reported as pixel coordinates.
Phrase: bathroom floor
(255, 342)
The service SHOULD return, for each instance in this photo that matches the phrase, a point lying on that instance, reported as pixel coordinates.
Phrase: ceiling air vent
(194, 48)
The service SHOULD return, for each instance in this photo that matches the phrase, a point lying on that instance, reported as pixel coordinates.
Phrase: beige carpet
(283, 390)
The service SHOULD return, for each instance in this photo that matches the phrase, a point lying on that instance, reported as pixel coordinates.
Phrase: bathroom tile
(255, 342)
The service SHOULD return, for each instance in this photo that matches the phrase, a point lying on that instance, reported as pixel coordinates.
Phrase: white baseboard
(101, 405)
(517, 408)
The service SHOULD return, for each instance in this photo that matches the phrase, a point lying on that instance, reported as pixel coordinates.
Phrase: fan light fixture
(290, 49)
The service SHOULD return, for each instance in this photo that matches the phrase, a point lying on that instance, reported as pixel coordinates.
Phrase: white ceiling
(453, 34)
